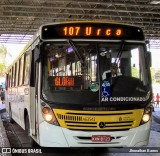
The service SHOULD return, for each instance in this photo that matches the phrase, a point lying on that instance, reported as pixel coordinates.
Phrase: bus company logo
(88, 118)
(102, 125)
(120, 118)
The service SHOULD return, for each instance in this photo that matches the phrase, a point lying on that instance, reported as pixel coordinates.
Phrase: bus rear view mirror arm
(36, 54)
(148, 59)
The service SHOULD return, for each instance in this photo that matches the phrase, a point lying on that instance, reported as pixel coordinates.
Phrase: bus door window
(45, 74)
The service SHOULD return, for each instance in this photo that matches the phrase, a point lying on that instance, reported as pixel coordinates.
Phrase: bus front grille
(99, 120)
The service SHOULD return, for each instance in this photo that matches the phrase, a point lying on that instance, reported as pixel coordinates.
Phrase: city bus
(82, 84)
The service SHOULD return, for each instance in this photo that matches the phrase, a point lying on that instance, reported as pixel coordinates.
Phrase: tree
(3, 54)
(157, 76)
(2, 68)
(153, 71)
(135, 72)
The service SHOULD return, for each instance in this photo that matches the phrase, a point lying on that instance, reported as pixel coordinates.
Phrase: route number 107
(71, 31)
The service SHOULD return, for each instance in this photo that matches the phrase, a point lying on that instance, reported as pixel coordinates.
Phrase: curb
(4, 142)
(4, 138)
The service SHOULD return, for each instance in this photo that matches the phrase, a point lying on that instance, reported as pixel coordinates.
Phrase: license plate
(101, 138)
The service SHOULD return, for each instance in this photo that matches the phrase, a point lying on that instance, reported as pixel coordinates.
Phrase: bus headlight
(146, 115)
(48, 115)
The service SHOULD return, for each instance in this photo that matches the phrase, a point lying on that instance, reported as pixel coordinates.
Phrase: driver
(113, 71)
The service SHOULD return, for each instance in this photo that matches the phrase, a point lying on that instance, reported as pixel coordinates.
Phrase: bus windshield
(92, 72)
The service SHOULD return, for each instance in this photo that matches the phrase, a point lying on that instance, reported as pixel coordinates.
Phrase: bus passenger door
(34, 91)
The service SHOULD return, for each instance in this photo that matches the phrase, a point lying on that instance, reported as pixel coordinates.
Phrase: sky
(155, 58)
(14, 50)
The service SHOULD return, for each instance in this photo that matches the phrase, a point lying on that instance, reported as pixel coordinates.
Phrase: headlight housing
(146, 115)
(48, 114)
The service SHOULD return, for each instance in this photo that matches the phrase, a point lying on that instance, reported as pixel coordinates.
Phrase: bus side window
(21, 70)
(12, 78)
(17, 73)
(26, 69)
(14, 75)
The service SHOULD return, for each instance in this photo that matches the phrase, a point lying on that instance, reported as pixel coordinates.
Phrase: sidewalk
(3, 137)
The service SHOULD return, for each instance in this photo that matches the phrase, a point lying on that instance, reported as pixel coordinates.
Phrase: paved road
(18, 138)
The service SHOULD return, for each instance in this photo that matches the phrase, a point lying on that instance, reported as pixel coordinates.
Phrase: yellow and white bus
(82, 84)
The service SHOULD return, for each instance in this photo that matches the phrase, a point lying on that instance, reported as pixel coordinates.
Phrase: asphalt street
(17, 138)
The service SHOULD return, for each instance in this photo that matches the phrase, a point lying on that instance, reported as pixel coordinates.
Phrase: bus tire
(10, 115)
(31, 142)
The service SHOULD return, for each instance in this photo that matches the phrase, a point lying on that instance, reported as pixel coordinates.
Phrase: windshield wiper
(77, 52)
(120, 52)
(115, 64)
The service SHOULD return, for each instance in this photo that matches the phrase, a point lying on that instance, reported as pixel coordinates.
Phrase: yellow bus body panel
(99, 120)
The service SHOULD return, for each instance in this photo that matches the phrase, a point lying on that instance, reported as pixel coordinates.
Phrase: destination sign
(91, 30)
(65, 81)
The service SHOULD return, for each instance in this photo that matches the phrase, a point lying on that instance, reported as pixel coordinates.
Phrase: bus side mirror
(148, 59)
(36, 54)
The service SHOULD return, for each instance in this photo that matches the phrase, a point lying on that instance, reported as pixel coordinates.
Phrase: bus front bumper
(55, 136)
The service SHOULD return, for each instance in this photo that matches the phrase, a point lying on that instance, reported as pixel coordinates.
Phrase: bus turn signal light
(46, 110)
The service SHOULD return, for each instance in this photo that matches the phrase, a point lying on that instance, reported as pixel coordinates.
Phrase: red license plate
(101, 138)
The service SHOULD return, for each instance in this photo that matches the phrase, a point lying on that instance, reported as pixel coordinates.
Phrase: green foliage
(2, 68)
(157, 76)
(3, 51)
(135, 72)
(153, 71)
(3, 54)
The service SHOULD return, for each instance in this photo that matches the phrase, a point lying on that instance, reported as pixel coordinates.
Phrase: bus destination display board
(91, 30)
(65, 81)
